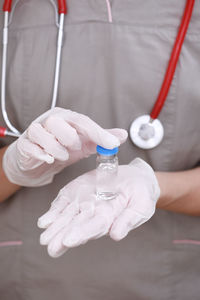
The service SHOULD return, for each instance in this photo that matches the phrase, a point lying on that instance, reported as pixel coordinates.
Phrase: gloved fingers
(87, 127)
(59, 252)
(31, 155)
(55, 247)
(38, 135)
(63, 132)
(70, 194)
(81, 232)
(121, 134)
(48, 218)
(57, 206)
(126, 221)
(61, 222)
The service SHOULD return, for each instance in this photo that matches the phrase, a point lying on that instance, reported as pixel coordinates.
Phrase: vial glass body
(106, 176)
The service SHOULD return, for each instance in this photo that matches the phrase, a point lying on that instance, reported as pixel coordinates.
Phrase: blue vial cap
(107, 152)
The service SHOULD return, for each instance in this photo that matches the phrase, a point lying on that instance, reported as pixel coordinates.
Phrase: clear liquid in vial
(106, 177)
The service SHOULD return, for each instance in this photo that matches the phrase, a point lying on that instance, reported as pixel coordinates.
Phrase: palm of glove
(76, 216)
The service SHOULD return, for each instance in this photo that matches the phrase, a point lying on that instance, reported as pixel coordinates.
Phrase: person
(113, 65)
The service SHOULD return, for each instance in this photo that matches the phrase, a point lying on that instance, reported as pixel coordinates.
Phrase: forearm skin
(180, 191)
(7, 188)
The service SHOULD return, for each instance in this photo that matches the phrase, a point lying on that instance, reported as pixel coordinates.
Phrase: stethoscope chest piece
(146, 133)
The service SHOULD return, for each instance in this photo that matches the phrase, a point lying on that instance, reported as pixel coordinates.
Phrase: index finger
(87, 127)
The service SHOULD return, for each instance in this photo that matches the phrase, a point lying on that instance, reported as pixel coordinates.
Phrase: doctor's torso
(111, 72)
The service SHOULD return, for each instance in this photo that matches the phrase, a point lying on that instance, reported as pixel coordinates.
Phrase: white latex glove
(76, 216)
(53, 141)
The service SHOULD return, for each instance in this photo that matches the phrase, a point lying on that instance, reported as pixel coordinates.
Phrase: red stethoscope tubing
(7, 6)
(62, 6)
(173, 60)
(2, 131)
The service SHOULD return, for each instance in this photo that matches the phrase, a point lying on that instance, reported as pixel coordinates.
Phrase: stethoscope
(146, 131)
(7, 8)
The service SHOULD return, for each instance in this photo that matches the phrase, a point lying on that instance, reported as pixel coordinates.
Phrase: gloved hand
(76, 216)
(53, 141)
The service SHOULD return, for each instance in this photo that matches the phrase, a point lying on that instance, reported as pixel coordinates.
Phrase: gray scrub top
(112, 73)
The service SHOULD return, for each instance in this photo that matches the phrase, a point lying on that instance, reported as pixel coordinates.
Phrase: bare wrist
(161, 203)
(6, 187)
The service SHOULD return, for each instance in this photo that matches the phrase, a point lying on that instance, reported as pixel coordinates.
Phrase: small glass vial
(106, 173)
